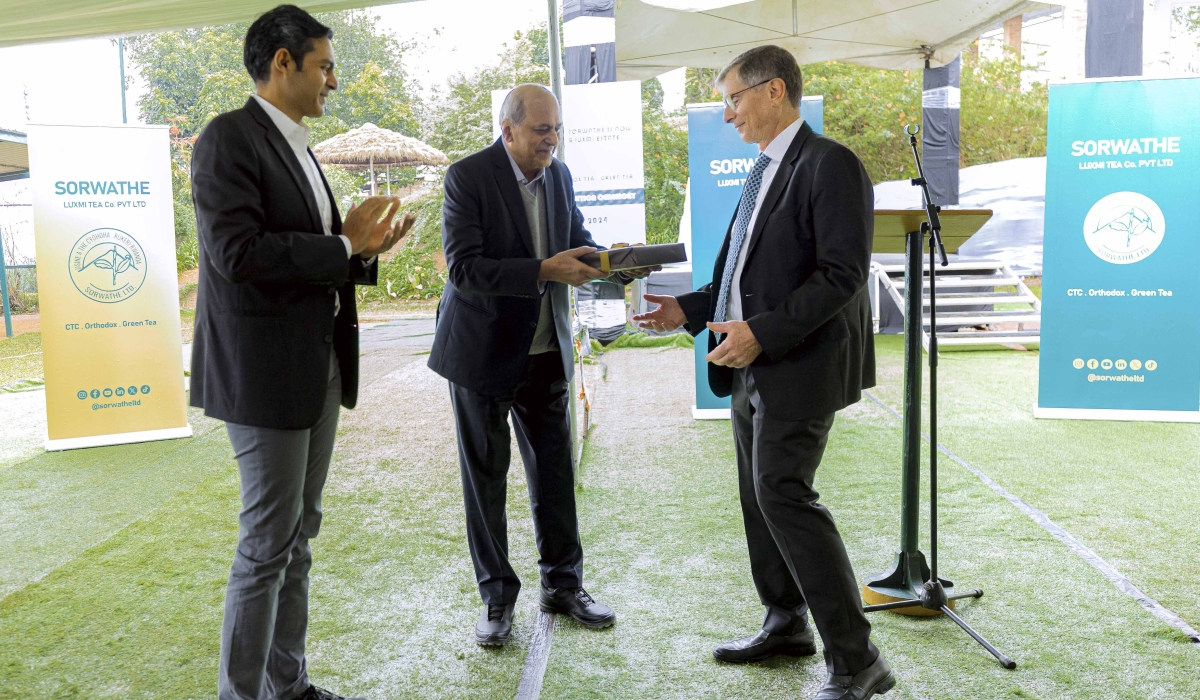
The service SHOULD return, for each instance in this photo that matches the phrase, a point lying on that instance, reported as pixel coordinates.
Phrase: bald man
(513, 237)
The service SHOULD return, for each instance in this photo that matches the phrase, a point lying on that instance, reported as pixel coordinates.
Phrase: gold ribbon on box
(605, 266)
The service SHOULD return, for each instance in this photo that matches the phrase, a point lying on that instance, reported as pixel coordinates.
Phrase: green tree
(698, 86)
(665, 160)
(458, 120)
(193, 75)
(999, 119)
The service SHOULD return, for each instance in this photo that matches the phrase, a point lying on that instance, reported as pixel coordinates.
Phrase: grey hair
(513, 109)
(762, 63)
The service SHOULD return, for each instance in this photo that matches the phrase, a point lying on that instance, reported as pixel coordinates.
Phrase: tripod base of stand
(903, 582)
(872, 598)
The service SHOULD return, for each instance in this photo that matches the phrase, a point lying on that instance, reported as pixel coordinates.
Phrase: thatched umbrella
(369, 145)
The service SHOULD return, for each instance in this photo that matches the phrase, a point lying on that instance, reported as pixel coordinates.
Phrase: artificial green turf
(114, 559)
(663, 534)
(133, 609)
(20, 358)
(1129, 491)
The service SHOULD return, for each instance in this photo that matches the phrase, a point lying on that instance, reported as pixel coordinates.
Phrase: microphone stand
(932, 595)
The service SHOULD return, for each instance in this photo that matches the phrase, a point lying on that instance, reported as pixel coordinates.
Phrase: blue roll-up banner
(1120, 294)
(718, 161)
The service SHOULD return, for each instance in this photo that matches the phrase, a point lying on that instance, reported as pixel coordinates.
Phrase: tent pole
(389, 179)
(121, 57)
(556, 65)
(371, 160)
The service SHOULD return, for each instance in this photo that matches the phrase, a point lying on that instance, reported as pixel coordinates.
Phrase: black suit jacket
(489, 310)
(804, 284)
(268, 280)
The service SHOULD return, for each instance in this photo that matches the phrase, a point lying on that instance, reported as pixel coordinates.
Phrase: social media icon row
(1134, 365)
(131, 390)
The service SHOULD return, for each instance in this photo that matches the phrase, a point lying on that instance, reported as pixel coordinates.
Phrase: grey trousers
(266, 601)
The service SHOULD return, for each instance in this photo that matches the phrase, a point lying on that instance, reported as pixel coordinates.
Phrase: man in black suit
(276, 337)
(512, 236)
(792, 342)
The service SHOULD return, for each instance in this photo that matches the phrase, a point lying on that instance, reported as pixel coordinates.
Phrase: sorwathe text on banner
(105, 238)
(1120, 296)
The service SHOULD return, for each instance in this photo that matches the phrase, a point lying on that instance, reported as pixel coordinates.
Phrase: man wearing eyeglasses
(792, 342)
(513, 237)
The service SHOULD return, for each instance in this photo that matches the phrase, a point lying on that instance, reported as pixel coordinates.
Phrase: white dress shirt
(776, 150)
(297, 137)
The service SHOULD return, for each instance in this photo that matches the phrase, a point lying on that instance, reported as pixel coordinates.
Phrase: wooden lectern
(901, 231)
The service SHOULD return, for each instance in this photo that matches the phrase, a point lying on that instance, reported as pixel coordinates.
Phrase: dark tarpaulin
(940, 141)
(578, 68)
(1114, 38)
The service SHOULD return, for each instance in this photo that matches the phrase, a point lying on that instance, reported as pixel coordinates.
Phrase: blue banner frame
(1120, 335)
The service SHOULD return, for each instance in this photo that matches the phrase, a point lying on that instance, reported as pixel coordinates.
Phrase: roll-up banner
(718, 161)
(602, 127)
(1120, 335)
(104, 229)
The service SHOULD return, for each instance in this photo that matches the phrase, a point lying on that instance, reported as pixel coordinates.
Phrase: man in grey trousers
(275, 353)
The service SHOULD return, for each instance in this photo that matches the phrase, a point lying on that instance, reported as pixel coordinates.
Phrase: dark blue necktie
(744, 212)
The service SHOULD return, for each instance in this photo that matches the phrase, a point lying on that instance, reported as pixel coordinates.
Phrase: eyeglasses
(729, 101)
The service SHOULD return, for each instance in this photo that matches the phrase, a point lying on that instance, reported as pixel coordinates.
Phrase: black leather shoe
(495, 625)
(579, 605)
(315, 693)
(875, 679)
(764, 645)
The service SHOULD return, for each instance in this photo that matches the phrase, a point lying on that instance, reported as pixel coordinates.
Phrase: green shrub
(413, 271)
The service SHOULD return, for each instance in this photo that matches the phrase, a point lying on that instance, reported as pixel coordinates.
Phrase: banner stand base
(710, 413)
(118, 439)
(1116, 415)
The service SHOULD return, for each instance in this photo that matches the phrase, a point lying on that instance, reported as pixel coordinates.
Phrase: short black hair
(285, 27)
(762, 63)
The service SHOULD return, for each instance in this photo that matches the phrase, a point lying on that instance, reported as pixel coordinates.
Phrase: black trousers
(540, 413)
(797, 557)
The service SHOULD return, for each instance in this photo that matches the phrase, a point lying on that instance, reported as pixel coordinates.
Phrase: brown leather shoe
(764, 645)
(875, 679)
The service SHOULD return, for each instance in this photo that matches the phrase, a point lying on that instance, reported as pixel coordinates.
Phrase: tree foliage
(698, 87)
(867, 109)
(458, 120)
(665, 159)
(999, 119)
(192, 75)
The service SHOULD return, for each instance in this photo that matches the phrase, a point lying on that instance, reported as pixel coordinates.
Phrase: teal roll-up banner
(718, 161)
(1120, 293)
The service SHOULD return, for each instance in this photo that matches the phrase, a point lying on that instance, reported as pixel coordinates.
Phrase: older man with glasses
(513, 237)
(792, 342)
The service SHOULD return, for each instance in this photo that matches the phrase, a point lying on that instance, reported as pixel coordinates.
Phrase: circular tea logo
(107, 265)
(1124, 227)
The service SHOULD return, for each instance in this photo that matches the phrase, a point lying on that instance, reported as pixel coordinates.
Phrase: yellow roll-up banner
(103, 221)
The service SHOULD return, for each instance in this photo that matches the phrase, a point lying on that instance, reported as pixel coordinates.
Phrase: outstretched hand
(667, 317)
(738, 349)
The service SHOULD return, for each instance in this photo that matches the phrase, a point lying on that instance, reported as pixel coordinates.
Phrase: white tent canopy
(655, 36)
(33, 21)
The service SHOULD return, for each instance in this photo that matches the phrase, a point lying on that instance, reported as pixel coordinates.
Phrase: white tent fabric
(33, 21)
(655, 36)
(1015, 190)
